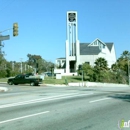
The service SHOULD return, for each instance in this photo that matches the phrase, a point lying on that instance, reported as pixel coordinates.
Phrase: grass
(64, 80)
(3, 79)
(53, 80)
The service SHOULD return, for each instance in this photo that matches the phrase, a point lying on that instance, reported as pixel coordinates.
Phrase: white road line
(44, 99)
(99, 100)
(23, 117)
(34, 100)
(6, 94)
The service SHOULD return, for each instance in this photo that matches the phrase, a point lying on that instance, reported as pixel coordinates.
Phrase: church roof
(88, 49)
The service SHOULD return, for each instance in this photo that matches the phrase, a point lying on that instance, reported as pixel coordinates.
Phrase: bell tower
(72, 43)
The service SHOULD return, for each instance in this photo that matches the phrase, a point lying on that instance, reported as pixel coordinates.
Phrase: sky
(42, 25)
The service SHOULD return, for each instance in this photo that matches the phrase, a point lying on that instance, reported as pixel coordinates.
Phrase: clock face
(72, 17)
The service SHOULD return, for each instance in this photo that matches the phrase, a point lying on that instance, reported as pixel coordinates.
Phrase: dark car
(24, 79)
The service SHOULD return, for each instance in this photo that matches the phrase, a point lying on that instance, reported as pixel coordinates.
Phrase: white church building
(78, 53)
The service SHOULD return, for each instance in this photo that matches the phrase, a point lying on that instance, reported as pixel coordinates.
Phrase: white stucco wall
(113, 55)
(88, 58)
(109, 56)
(105, 53)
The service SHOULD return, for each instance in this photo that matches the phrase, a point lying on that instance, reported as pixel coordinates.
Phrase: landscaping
(64, 80)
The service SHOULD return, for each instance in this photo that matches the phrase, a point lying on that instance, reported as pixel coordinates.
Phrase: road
(63, 108)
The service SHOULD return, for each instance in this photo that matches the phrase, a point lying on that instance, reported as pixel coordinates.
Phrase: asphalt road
(63, 108)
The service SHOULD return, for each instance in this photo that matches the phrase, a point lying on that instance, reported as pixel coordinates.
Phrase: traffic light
(15, 29)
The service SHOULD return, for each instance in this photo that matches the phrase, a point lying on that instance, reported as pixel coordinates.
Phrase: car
(25, 79)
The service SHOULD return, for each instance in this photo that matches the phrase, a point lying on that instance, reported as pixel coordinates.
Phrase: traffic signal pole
(6, 30)
(7, 37)
(15, 30)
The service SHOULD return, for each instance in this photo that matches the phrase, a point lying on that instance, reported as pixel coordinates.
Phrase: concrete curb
(43, 84)
(3, 89)
(97, 84)
(56, 85)
(80, 84)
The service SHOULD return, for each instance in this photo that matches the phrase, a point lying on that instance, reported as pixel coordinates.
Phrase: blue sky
(42, 25)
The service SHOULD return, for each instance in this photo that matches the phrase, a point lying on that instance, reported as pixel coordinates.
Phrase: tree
(100, 68)
(2, 66)
(101, 64)
(114, 67)
(38, 62)
(125, 54)
(32, 59)
(88, 72)
(122, 67)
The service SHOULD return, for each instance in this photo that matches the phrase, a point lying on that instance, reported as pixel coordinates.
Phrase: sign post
(2, 38)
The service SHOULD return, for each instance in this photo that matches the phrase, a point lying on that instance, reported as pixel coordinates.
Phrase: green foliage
(101, 72)
(121, 67)
(12, 68)
(88, 72)
(100, 68)
(40, 64)
(2, 73)
(101, 64)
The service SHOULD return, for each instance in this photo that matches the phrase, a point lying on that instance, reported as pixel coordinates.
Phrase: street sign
(72, 17)
(2, 38)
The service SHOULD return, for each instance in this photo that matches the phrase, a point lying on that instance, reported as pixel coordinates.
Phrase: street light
(128, 69)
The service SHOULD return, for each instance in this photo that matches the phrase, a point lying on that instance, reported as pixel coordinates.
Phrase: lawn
(64, 80)
(53, 80)
(3, 79)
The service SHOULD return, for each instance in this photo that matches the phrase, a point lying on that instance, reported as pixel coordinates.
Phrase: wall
(94, 84)
(88, 58)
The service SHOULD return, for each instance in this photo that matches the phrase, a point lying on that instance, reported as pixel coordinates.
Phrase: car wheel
(37, 84)
(32, 84)
(10, 83)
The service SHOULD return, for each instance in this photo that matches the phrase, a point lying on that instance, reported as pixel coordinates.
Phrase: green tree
(38, 62)
(125, 54)
(101, 64)
(2, 66)
(88, 72)
(121, 67)
(100, 68)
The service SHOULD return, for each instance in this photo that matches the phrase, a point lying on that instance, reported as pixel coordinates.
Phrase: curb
(3, 89)
(56, 85)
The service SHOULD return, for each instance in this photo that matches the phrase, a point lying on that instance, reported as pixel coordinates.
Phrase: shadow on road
(125, 97)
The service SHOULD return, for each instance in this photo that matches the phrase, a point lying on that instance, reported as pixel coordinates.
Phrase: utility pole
(128, 73)
(25, 67)
(128, 58)
(21, 65)
(82, 77)
(12, 65)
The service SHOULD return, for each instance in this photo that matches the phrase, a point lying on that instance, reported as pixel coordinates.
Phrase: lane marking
(43, 100)
(24, 117)
(24, 102)
(6, 94)
(99, 100)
